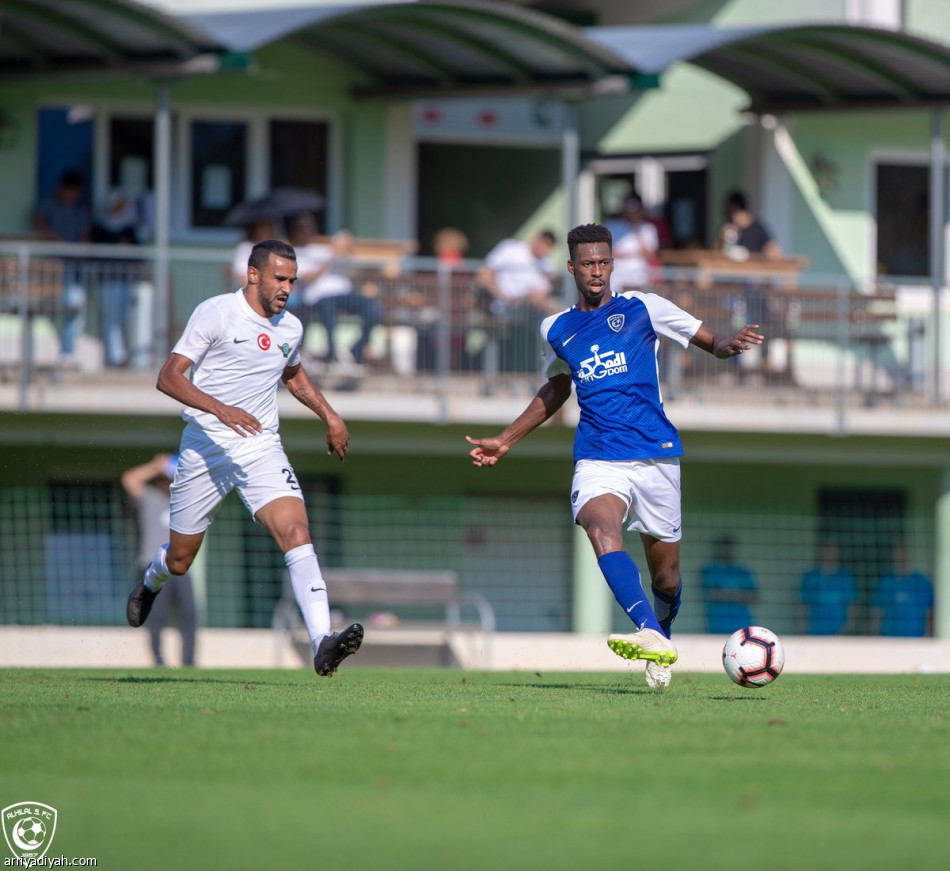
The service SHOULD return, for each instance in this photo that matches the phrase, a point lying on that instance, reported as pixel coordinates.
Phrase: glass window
(64, 143)
(903, 222)
(218, 170)
(130, 155)
(298, 156)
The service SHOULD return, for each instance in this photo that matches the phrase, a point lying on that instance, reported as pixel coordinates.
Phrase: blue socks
(666, 607)
(624, 580)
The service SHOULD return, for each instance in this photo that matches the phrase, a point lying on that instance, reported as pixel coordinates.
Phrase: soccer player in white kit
(239, 346)
(626, 451)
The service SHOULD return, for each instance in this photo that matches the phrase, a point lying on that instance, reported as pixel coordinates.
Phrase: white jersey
(518, 273)
(239, 357)
(328, 283)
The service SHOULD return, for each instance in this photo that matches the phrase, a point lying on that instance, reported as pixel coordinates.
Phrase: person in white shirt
(327, 291)
(518, 274)
(635, 244)
(239, 346)
(518, 277)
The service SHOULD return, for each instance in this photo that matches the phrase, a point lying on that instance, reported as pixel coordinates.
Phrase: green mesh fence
(68, 555)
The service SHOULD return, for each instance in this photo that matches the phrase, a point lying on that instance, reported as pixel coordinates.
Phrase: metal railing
(96, 309)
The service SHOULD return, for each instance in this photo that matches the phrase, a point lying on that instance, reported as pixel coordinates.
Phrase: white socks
(310, 591)
(157, 572)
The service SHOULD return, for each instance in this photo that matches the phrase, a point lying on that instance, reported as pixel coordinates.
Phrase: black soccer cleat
(139, 605)
(335, 648)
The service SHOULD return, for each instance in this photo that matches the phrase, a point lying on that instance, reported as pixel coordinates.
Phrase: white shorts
(257, 468)
(649, 488)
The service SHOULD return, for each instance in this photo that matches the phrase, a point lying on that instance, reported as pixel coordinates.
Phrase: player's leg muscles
(602, 519)
(182, 550)
(285, 518)
(663, 561)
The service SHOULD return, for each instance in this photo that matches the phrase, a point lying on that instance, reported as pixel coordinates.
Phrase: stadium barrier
(540, 653)
(831, 342)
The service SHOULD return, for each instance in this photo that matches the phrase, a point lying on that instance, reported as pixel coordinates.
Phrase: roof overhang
(53, 38)
(429, 49)
(800, 68)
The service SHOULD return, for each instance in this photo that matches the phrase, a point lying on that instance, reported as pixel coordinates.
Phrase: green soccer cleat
(646, 644)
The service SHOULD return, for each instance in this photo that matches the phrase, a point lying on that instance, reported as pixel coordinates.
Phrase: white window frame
(650, 171)
(258, 144)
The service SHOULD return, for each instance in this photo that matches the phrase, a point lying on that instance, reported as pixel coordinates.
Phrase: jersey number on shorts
(291, 480)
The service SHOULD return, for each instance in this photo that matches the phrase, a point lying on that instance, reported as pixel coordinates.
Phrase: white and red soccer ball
(753, 657)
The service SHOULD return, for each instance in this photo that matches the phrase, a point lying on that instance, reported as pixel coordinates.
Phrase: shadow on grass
(624, 691)
(591, 688)
(170, 679)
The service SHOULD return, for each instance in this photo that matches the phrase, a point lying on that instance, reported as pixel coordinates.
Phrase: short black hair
(737, 199)
(261, 252)
(548, 235)
(72, 178)
(587, 234)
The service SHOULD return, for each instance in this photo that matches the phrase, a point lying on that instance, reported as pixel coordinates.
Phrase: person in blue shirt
(903, 600)
(626, 451)
(729, 589)
(829, 593)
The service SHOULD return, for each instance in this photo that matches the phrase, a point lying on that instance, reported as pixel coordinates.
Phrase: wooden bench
(389, 588)
(824, 314)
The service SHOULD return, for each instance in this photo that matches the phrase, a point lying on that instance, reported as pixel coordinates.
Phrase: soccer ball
(30, 833)
(753, 657)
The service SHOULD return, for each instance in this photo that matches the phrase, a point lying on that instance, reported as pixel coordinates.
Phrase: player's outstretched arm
(722, 346)
(302, 388)
(552, 395)
(172, 382)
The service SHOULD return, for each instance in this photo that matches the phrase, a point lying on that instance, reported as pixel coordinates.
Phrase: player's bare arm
(552, 395)
(172, 382)
(302, 388)
(722, 346)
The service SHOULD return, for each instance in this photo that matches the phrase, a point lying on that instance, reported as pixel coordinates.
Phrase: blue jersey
(611, 355)
(829, 597)
(906, 602)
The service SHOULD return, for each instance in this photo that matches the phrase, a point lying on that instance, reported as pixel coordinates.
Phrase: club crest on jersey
(263, 342)
(600, 365)
(615, 322)
(285, 349)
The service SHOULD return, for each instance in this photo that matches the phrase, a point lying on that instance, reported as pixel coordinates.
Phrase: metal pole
(162, 182)
(937, 221)
(26, 324)
(843, 330)
(570, 170)
(443, 337)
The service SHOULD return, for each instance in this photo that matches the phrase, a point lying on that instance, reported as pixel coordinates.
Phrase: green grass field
(426, 769)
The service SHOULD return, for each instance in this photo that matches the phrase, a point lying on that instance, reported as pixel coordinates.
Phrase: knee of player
(178, 564)
(667, 579)
(604, 538)
(294, 535)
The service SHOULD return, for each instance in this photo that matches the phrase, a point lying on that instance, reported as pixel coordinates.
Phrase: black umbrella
(279, 203)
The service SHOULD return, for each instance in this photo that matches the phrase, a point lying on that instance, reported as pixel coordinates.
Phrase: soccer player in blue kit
(626, 451)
